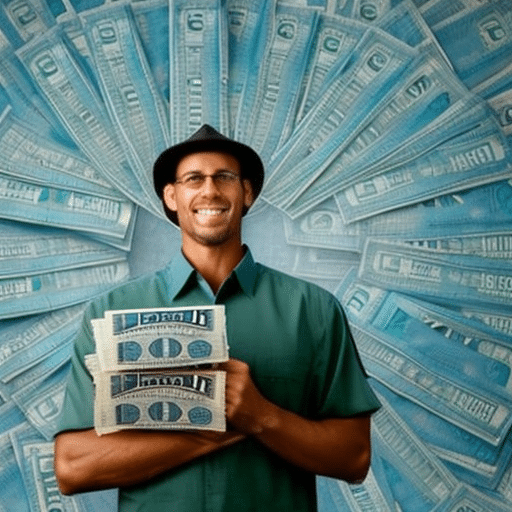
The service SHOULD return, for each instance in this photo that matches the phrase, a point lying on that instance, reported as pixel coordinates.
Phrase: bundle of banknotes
(153, 369)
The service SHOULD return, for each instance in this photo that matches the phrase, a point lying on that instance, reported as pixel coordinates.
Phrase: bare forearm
(338, 448)
(85, 461)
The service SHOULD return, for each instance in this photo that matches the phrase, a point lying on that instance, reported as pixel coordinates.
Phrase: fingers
(244, 403)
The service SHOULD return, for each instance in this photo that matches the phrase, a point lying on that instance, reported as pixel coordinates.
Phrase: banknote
(445, 378)
(26, 201)
(26, 342)
(165, 399)
(477, 40)
(21, 21)
(468, 457)
(323, 227)
(473, 212)
(359, 83)
(35, 459)
(269, 99)
(427, 100)
(246, 19)
(485, 354)
(129, 91)
(333, 41)
(25, 152)
(25, 99)
(161, 337)
(66, 86)
(487, 417)
(45, 291)
(441, 110)
(410, 463)
(14, 495)
(26, 249)
(153, 26)
(448, 278)
(472, 159)
(198, 66)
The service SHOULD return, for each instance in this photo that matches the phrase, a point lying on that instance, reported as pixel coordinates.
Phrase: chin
(214, 239)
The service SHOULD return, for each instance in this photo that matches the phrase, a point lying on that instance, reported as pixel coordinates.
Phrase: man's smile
(210, 211)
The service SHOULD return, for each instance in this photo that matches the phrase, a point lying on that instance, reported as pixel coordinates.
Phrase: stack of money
(153, 369)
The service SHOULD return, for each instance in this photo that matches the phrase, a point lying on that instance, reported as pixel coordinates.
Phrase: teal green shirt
(295, 338)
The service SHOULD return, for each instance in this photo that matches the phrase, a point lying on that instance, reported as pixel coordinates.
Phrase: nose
(210, 186)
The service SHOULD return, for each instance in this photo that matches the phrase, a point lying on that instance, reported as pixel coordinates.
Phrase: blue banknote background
(386, 131)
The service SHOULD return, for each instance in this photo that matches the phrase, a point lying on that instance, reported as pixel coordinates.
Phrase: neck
(214, 263)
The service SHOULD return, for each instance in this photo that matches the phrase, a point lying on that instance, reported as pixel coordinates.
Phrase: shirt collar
(181, 273)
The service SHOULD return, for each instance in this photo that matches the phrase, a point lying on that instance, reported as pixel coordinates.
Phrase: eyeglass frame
(196, 179)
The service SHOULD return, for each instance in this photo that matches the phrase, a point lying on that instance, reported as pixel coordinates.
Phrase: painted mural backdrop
(385, 127)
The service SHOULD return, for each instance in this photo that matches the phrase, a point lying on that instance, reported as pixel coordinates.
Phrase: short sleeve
(342, 385)
(78, 408)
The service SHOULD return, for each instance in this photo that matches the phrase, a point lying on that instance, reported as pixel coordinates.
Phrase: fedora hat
(208, 139)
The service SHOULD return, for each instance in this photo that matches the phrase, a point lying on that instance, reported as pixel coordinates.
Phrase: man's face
(209, 197)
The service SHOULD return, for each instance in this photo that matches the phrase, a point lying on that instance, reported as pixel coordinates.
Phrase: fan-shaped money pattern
(385, 128)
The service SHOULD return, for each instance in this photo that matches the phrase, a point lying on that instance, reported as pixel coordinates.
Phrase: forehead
(207, 161)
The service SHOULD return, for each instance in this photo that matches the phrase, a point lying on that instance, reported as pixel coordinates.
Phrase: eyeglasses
(197, 179)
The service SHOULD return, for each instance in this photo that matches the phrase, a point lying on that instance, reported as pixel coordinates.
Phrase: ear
(169, 196)
(248, 193)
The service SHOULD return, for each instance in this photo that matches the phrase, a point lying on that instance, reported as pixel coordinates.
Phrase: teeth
(206, 211)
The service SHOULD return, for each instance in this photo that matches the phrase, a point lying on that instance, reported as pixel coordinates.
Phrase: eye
(194, 179)
(226, 177)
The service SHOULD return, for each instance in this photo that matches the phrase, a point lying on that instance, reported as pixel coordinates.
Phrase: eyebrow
(197, 171)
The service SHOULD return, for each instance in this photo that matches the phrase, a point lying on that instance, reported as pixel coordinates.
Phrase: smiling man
(297, 400)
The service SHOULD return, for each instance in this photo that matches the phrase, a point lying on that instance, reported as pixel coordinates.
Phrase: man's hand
(245, 405)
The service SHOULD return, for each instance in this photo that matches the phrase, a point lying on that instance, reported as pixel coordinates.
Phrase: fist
(245, 405)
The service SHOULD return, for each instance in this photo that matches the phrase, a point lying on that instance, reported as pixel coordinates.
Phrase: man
(297, 401)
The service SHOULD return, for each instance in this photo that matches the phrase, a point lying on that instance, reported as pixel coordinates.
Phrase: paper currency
(56, 69)
(14, 494)
(142, 369)
(145, 339)
(129, 92)
(480, 156)
(198, 63)
(412, 462)
(425, 273)
(26, 342)
(45, 291)
(246, 20)
(477, 40)
(35, 460)
(269, 99)
(159, 400)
